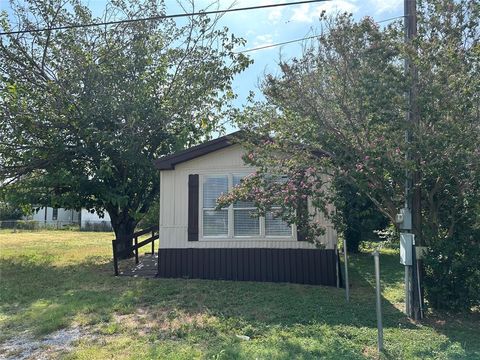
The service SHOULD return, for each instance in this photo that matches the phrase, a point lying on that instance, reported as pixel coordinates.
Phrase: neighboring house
(93, 222)
(54, 216)
(197, 241)
(60, 217)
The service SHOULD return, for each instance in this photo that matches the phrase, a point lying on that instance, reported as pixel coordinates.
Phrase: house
(60, 217)
(57, 217)
(197, 241)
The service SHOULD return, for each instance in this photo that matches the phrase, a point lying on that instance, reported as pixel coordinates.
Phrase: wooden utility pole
(412, 190)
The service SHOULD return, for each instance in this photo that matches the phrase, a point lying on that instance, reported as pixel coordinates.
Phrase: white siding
(64, 216)
(174, 205)
(93, 218)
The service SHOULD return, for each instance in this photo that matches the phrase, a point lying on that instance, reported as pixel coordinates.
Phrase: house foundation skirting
(304, 266)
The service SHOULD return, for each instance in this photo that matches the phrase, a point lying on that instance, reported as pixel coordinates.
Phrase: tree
(344, 98)
(86, 110)
(360, 217)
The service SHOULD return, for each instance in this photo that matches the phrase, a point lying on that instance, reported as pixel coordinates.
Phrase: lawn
(58, 296)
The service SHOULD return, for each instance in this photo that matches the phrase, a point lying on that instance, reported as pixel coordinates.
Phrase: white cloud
(263, 40)
(305, 13)
(385, 6)
(275, 15)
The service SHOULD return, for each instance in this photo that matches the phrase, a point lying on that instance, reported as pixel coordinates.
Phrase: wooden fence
(137, 245)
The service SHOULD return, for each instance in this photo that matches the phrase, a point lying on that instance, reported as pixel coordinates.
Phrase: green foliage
(152, 217)
(9, 212)
(453, 274)
(86, 111)
(345, 98)
(360, 217)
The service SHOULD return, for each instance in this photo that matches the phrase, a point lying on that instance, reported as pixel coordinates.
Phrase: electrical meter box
(407, 241)
(404, 219)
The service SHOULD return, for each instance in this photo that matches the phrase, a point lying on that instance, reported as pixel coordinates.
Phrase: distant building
(60, 217)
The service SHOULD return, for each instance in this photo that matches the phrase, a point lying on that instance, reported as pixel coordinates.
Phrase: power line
(277, 44)
(75, 26)
(301, 39)
(390, 19)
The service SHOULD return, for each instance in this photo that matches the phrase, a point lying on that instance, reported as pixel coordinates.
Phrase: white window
(244, 223)
(275, 226)
(215, 222)
(238, 220)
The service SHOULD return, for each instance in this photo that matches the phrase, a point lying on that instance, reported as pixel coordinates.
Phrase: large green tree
(84, 111)
(340, 109)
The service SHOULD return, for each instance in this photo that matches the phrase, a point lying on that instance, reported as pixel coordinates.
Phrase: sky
(268, 26)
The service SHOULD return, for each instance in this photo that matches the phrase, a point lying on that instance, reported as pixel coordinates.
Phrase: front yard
(58, 299)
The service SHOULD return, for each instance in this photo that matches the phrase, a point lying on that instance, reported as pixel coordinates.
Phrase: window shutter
(302, 209)
(193, 207)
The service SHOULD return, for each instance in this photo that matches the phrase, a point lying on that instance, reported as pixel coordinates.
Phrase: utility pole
(412, 211)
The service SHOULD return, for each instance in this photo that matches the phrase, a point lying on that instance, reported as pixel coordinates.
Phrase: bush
(98, 226)
(151, 218)
(452, 266)
(19, 224)
(8, 212)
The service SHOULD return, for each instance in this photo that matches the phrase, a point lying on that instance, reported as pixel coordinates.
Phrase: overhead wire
(158, 17)
(268, 46)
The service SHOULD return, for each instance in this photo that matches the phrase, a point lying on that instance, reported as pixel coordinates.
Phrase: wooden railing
(137, 245)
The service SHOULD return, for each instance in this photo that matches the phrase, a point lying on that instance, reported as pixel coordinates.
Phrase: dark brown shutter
(302, 209)
(193, 207)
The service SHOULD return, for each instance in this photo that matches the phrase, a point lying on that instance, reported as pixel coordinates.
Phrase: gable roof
(168, 162)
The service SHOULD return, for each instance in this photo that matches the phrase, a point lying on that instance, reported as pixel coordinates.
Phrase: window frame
(231, 226)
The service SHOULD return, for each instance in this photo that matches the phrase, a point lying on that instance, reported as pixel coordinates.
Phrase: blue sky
(274, 25)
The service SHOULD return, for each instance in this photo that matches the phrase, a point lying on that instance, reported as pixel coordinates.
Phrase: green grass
(60, 279)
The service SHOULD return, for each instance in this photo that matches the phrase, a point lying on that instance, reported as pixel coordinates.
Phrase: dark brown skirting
(304, 266)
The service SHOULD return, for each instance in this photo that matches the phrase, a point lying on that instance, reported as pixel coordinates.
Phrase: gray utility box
(404, 219)
(407, 241)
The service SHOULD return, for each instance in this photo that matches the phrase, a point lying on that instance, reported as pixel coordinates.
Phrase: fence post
(153, 242)
(347, 281)
(136, 250)
(376, 256)
(115, 261)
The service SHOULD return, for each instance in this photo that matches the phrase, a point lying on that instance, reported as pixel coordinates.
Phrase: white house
(92, 221)
(54, 216)
(197, 241)
(60, 217)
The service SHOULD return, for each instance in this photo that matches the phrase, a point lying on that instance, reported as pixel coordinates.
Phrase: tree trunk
(353, 238)
(124, 227)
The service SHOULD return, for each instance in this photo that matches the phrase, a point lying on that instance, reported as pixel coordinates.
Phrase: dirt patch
(26, 347)
(162, 322)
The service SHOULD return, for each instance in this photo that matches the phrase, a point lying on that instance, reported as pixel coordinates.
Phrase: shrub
(9, 212)
(452, 266)
(98, 226)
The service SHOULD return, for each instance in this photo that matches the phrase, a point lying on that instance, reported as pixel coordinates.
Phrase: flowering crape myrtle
(284, 188)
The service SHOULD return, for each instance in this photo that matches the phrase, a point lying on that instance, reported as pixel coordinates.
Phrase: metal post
(337, 268)
(345, 259)
(376, 256)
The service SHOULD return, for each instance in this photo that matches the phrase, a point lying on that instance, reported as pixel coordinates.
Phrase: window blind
(275, 226)
(215, 222)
